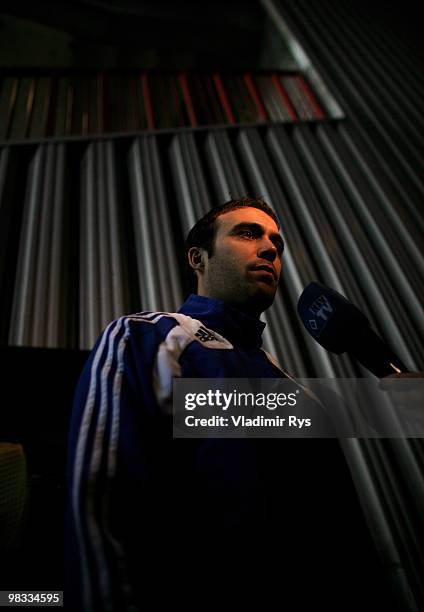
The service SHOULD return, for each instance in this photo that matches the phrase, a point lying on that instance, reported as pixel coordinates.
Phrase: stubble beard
(241, 292)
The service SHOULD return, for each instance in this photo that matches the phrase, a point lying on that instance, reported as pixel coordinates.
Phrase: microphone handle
(374, 354)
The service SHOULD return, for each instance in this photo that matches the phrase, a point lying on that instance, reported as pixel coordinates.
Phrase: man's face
(245, 265)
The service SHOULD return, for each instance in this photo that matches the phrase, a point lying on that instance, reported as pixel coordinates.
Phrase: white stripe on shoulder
(167, 364)
(149, 317)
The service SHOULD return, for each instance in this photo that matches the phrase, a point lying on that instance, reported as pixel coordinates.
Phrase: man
(144, 508)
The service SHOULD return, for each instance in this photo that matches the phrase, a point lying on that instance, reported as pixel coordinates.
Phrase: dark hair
(202, 234)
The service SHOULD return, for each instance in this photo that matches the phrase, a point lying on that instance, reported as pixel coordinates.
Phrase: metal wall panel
(159, 276)
(38, 301)
(352, 88)
(193, 197)
(6, 208)
(103, 294)
(225, 172)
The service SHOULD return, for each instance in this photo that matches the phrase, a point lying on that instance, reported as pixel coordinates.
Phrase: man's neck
(246, 308)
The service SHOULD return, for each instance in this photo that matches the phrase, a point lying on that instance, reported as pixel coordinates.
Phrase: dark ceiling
(231, 33)
(223, 32)
(130, 22)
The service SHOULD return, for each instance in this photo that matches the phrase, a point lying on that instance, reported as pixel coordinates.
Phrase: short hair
(202, 234)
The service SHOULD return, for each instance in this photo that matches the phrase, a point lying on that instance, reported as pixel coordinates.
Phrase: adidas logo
(204, 335)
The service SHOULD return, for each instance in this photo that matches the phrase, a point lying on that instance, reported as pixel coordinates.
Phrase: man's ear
(196, 257)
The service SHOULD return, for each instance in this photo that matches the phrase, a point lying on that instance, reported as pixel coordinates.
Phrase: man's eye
(247, 233)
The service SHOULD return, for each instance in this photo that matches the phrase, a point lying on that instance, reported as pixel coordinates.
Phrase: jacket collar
(236, 326)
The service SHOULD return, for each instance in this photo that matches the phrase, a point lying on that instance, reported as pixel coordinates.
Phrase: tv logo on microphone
(321, 308)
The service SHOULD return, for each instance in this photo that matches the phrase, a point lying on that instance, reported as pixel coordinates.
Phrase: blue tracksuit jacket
(132, 490)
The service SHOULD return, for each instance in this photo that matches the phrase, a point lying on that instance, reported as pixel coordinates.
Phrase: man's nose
(267, 250)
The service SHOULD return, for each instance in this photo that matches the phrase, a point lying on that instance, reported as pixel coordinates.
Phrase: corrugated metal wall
(334, 224)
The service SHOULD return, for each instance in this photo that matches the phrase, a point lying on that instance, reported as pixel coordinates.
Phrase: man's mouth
(265, 268)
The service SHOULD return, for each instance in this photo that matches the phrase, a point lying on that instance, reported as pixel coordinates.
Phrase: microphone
(339, 326)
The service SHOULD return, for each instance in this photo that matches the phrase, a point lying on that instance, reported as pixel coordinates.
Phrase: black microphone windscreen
(339, 326)
(329, 317)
